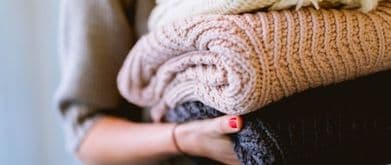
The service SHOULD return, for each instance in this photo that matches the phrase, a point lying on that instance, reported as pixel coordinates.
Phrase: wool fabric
(168, 11)
(240, 63)
(346, 123)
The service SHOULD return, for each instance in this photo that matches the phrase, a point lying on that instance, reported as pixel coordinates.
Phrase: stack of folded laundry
(207, 58)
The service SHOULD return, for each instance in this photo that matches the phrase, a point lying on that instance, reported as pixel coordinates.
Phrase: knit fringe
(168, 11)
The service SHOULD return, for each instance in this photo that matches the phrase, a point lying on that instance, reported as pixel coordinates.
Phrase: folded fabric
(168, 11)
(342, 124)
(240, 63)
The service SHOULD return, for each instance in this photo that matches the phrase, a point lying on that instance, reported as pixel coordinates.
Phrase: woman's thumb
(227, 124)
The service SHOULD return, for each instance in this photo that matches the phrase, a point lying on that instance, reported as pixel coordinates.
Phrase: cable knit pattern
(170, 10)
(240, 63)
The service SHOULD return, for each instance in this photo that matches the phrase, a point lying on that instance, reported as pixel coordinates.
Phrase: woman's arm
(94, 38)
(115, 141)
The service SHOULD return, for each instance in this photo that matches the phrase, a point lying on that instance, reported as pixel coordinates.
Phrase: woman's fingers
(207, 138)
(226, 124)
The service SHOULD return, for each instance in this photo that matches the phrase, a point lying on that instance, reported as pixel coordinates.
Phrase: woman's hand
(116, 141)
(208, 138)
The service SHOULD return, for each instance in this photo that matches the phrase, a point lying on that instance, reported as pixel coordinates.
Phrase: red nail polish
(233, 122)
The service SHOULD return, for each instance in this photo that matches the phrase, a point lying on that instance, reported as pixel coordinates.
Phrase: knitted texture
(168, 11)
(240, 63)
(264, 141)
(330, 125)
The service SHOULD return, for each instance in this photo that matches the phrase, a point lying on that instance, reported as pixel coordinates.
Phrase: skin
(116, 141)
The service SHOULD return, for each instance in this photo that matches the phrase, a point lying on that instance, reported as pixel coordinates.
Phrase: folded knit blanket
(168, 11)
(240, 63)
(347, 123)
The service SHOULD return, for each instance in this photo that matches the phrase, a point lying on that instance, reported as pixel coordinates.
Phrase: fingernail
(233, 122)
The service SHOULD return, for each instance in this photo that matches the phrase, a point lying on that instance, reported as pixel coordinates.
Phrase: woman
(95, 38)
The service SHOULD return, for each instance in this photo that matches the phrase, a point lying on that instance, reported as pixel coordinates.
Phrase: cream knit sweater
(240, 63)
(168, 11)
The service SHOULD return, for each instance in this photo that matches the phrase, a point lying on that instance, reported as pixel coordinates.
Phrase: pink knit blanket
(240, 63)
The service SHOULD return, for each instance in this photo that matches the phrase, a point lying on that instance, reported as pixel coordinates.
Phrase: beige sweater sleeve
(95, 37)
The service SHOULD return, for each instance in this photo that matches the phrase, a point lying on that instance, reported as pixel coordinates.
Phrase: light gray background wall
(30, 130)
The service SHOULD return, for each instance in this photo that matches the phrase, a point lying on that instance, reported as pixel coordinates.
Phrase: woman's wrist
(174, 148)
(175, 139)
(186, 139)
